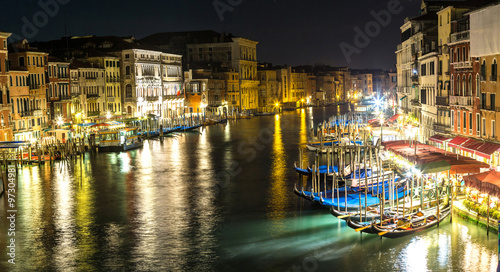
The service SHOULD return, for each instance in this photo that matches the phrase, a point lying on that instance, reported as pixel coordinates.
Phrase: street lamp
(108, 115)
(59, 121)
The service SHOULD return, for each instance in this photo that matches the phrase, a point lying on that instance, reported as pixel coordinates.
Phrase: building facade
(5, 99)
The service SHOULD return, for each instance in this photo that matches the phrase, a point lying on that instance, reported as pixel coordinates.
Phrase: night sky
(289, 32)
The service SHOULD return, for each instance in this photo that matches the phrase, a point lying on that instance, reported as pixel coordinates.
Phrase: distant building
(87, 91)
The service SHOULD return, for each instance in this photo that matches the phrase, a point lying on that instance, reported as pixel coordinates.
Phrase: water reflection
(156, 209)
(278, 191)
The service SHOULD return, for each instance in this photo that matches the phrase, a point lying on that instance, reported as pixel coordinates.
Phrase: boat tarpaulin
(487, 149)
(434, 167)
(439, 139)
(457, 141)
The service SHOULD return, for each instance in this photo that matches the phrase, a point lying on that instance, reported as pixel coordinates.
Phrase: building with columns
(112, 86)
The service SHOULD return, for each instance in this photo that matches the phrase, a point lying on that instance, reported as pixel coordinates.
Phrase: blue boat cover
(360, 172)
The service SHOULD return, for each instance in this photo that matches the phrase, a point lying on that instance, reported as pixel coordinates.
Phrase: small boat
(407, 227)
(264, 113)
(119, 140)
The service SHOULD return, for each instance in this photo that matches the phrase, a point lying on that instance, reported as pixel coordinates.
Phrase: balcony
(462, 65)
(111, 99)
(26, 113)
(414, 79)
(460, 36)
(93, 113)
(442, 129)
(465, 101)
(169, 97)
(75, 94)
(442, 101)
(92, 95)
(151, 98)
(65, 97)
(415, 102)
(38, 113)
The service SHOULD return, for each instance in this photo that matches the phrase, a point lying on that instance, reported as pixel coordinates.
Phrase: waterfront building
(5, 83)
(211, 49)
(58, 94)
(112, 84)
(20, 106)
(486, 50)
(22, 57)
(366, 81)
(87, 91)
(269, 91)
(428, 90)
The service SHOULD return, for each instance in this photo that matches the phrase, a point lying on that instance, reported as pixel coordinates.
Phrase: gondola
(403, 228)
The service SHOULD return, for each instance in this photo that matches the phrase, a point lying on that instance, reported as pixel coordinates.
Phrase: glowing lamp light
(276, 105)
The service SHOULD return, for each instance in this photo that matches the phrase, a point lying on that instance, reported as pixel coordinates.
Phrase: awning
(487, 149)
(486, 182)
(470, 145)
(393, 118)
(86, 124)
(457, 141)
(434, 167)
(439, 139)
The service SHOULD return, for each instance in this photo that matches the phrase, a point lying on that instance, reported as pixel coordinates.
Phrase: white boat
(119, 140)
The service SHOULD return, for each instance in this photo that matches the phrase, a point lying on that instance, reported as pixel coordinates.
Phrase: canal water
(217, 200)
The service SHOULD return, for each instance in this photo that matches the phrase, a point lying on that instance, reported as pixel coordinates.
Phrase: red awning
(487, 149)
(393, 118)
(457, 141)
(438, 138)
(471, 145)
(372, 120)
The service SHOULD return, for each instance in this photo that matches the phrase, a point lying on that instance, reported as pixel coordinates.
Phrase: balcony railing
(442, 128)
(462, 65)
(151, 98)
(442, 101)
(90, 95)
(26, 113)
(65, 97)
(460, 36)
(93, 113)
(415, 102)
(461, 101)
(75, 94)
(111, 99)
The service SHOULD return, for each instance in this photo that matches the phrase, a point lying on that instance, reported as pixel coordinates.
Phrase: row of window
(33, 61)
(463, 124)
(58, 71)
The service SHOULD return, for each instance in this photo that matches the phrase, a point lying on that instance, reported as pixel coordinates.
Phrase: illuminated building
(5, 117)
(58, 94)
(112, 87)
(87, 90)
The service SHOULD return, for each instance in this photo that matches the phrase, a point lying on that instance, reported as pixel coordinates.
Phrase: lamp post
(59, 121)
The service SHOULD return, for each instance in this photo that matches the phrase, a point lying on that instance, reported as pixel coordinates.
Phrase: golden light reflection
(35, 226)
(303, 141)
(85, 208)
(64, 222)
(278, 192)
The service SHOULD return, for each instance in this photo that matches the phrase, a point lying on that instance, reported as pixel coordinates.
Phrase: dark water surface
(217, 200)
